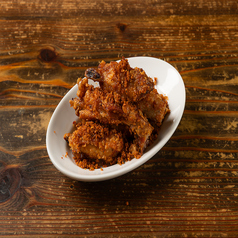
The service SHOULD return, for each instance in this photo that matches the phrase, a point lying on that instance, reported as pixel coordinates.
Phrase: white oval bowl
(169, 83)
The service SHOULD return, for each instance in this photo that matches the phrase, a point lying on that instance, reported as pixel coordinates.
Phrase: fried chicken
(132, 84)
(110, 108)
(155, 107)
(95, 141)
(117, 119)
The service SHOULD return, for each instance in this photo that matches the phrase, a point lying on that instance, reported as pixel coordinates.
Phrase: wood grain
(189, 188)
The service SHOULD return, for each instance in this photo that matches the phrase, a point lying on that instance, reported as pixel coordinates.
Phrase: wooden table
(190, 188)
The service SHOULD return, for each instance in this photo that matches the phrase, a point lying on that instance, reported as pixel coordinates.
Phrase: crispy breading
(110, 108)
(95, 141)
(131, 83)
(155, 107)
(134, 85)
(116, 118)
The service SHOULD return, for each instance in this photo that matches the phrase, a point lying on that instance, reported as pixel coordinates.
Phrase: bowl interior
(169, 83)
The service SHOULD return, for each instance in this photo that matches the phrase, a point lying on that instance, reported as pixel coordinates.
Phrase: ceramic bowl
(169, 83)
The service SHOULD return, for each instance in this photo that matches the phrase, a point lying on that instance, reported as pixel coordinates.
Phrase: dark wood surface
(190, 188)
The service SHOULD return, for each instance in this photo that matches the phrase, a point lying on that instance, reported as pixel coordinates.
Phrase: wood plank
(189, 188)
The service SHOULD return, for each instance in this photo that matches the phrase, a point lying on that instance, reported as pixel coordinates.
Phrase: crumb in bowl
(118, 119)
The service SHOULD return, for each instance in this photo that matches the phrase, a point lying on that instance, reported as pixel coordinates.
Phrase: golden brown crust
(131, 84)
(95, 141)
(110, 108)
(155, 107)
(115, 117)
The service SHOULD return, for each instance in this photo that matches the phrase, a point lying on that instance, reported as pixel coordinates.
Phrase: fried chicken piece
(155, 107)
(95, 141)
(109, 108)
(133, 84)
